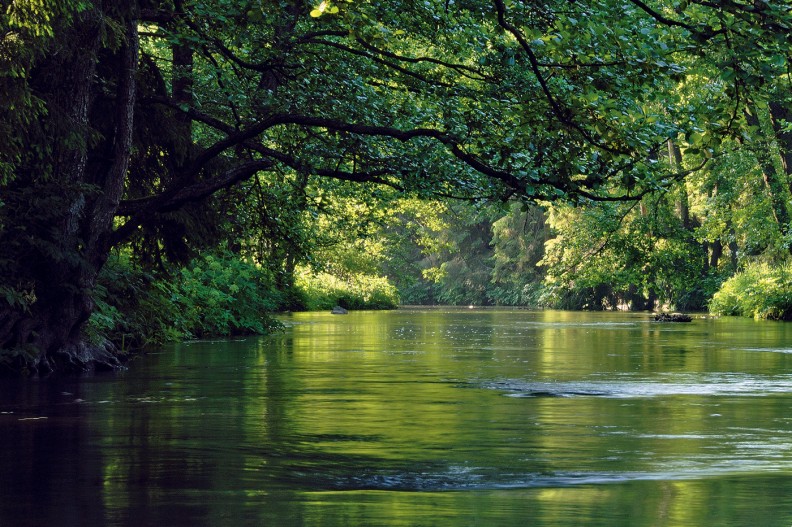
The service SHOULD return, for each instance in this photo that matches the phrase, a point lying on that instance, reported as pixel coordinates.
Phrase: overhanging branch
(563, 115)
(141, 210)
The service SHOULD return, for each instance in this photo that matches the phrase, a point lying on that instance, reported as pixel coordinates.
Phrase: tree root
(83, 357)
(80, 357)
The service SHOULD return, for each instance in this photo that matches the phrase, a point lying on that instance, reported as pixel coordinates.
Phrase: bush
(324, 291)
(760, 291)
(130, 309)
(224, 295)
(216, 295)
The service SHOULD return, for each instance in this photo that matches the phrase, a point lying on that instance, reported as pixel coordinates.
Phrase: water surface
(435, 417)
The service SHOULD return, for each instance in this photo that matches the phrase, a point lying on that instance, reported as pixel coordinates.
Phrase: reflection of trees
(51, 470)
(189, 448)
(659, 437)
(314, 426)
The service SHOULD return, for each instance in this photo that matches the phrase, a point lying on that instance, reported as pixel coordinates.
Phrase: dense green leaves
(760, 291)
(216, 294)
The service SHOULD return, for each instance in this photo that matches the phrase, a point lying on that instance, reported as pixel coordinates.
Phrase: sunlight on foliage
(761, 290)
(323, 8)
(323, 291)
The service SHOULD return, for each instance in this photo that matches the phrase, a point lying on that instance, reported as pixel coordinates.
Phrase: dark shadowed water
(417, 418)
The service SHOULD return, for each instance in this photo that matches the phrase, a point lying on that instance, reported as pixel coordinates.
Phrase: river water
(447, 417)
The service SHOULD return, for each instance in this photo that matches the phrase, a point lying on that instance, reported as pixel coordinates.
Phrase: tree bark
(769, 158)
(47, 334)
(779, 112)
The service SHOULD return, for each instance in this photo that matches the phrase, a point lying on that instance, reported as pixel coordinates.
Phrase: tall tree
(66, 185)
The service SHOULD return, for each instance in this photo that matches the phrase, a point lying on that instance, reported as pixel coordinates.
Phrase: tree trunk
(682, 205)
(771, 162)
(779, 113)
(733, 250)
(715, 255)
(183, 97)
(47, 333)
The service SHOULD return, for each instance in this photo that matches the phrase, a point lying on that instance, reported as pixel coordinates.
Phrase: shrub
(215, 295)
(130, 309)
(221, 295)
(360, 291)
(759, 291)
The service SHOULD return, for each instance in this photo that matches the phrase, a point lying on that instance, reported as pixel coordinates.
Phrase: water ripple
(710, 385)
(465, 479)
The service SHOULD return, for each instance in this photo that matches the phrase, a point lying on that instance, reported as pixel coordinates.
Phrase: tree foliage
(168, 126)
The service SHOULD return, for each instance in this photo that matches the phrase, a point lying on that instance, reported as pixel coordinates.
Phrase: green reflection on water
(444, 417)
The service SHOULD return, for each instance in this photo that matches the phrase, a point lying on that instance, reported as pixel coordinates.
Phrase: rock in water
(338, 310)
(672, 317)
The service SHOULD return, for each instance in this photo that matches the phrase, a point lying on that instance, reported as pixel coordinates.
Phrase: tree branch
(384, 62)
(662, 19)
(562, 114)
(172, 199)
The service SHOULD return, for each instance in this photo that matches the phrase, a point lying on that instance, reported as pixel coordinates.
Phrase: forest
(177, 169)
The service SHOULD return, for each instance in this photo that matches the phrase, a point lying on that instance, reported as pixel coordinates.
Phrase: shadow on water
(51, 474)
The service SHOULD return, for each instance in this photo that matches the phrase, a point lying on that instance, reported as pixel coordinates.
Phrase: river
(444, 417)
